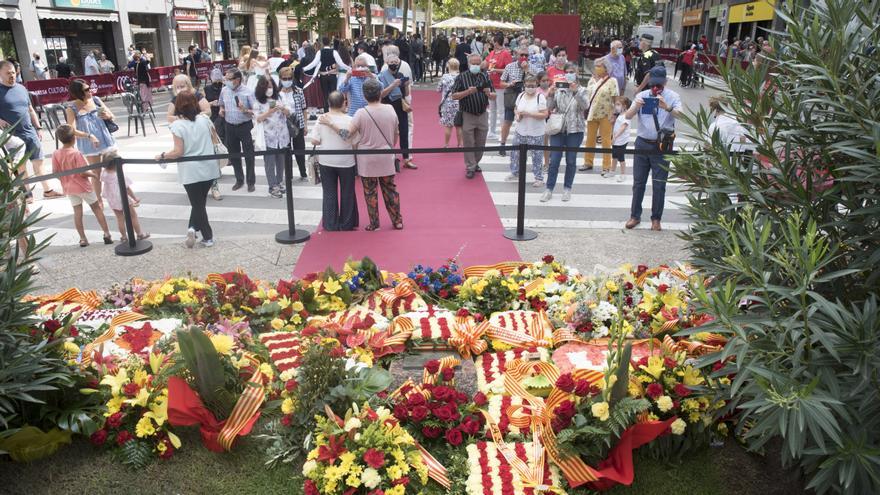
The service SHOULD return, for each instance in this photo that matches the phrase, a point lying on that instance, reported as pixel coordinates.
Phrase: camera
(562, 85)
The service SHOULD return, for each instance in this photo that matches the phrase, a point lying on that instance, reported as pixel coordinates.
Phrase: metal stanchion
(134, 246)
(520, 233)
(292, 235)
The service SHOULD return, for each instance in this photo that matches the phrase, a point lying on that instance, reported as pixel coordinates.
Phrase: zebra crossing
(596, 203)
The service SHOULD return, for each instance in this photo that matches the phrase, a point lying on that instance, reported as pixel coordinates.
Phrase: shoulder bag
(111, 126)
(556, 121)
(390, 146)
(665, 136)
(314, 168)
(592, 98)
(511, 93)
(219, 147)
(292, 122)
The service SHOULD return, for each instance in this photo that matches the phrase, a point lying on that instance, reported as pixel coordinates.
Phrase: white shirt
(330, 140)
(274, 62)
(731, 133)
(316, 63)
(622, 125)
(531, 126)
(92, 68)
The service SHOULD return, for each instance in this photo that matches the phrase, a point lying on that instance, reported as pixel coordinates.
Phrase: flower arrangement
(172, 295)
(492, 366)
(124, 294)
(485, 295)
(549, 286)
(366, 452)
(491, 473)
(437, 285)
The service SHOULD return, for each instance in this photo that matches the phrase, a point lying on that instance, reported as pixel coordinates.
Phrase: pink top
(110, 188)
(69, 159)
(376, 133)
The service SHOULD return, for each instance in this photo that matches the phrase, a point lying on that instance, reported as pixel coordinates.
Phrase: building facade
(685, 21)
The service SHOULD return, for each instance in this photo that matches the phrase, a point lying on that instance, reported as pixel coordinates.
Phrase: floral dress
(448, 107)
(274, 127)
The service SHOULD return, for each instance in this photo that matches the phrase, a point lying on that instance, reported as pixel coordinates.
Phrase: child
(620, 136)
(77, 187)
(111, 194)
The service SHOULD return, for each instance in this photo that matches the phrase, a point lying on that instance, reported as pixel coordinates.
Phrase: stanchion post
(292, 235)
(134, 246)
(520, 233)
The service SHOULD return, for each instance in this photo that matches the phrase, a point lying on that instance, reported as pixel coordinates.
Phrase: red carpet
(444, 214)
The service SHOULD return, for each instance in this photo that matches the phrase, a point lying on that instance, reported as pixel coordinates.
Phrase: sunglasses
(87, 88)
(286, 79)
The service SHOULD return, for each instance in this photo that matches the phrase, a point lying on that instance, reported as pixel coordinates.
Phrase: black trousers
(402, 124)
(198, 214)
(340, 204)
(299, 143)
(238, 139)
(328, 85)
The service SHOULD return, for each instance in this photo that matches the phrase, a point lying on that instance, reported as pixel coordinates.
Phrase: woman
(258, 69)
(88, 115)
(194, 136)
(353, 86)
(104, 65)
(395, 94)
(142, 73)
(531, 114)
(345, 55)
(244, 56)
(571, 103)
(377, 126)
(294, 102)
(730, 132)
(448, 106)
(179, 84)
(338, 172)
(602, 90)
(270, 116)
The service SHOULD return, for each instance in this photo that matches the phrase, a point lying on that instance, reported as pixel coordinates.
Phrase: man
(473, 90)
(618, 65)
(477, 45)
(91, 64)
(370, 60)
(440, 53)
(511, 81)
(391, 51)
(63, 69)
(417, 50)
(212, 95)
(648, 60)
(189, 65)
(462, 50)
(325, 66)
(16, 110)
(548, 52)
(668, 107)
(275, 60)
(38, 68)
(236, 108)
(499, 58)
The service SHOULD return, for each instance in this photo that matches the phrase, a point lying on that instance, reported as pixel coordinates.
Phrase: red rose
(669, 363)
(582, 389)
(290, 385)
(480, 399)
(374, 458)
(432, 366)
(115, 420)
(416, 400)
(662, 288)
(447, 412)
(628, 286)
(463, 312)
(548, 259)
(565, 383)
(98, 437)
(123, 437)
(470, 426)
(681, 390)
(628, 300)
(565, 410)
(130, 389)
(453, 436)
(400, 412)
(431, 431)
(310, 488)
(448, 374)
(641, 269)
(442, 393)
(286, 419)
(74, 332)
(479, 317)
(419, 413)
(403, 480)
(558, 424)
(655, 390)
(562, 278)
(51, 325)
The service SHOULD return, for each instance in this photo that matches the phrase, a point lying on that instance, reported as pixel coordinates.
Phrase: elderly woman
(571, 103)
(378, 128)
(602, 90)
(448, 106)
(395, 93)
(338, 172)
(353, 83)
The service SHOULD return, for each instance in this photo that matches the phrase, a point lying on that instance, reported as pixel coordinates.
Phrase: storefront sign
(716, 11)
(189, 15)
(85, 4)
(692, 17)
(192, 26)
(753, 11)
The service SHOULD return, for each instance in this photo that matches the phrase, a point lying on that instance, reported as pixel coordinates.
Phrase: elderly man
(236, 107)
(618, 65)
(512, 80)
(473, 90)
(406, 70)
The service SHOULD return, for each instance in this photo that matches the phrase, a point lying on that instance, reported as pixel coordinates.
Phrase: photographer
(657, 107)
(396, 89)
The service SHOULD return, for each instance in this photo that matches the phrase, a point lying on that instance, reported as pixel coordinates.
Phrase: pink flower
(374, 458)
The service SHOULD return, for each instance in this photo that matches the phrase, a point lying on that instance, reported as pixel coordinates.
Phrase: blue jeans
(570, 140)
(658, 168)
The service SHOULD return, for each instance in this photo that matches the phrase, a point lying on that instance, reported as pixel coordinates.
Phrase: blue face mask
(475, 69)
(229, 84)
(571, 77)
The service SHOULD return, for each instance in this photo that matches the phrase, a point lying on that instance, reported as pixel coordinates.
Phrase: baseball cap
(648, 36)
(657, 76)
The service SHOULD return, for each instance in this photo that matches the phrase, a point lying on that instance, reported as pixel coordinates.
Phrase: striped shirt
(478, 102)
(295, 102)
(354, 87)
(233, 115)
(513, 73)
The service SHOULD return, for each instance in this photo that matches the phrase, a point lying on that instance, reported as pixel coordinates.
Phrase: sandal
(123, 240)
(145, 235)
(135, 202)
(108, 239)
(370, 228)
(398, 226)
(83, 243)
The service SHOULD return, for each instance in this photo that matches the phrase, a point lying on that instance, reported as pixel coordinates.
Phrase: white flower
(664, 403)
(289, 374)
(352, 424)
(383, 413)
(678, 426)
(309, 466)
(370, 478)
(353, 363)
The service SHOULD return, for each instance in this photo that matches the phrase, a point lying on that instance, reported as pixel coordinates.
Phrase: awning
(77, 16)
(10, 13)
(142, 30)
(192, 25)
(190, 4)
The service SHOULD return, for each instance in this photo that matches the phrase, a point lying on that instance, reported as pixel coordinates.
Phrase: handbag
(390, 146)
(111, 126)
(313, 168)
(556, 121)
(442, 101)
(219, 147)
(665, 136)
(511, 94)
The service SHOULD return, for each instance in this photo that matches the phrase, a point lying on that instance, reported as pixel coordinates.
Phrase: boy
(77, 187)
(620, 137)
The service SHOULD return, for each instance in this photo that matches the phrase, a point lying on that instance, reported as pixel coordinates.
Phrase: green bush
(794, 256)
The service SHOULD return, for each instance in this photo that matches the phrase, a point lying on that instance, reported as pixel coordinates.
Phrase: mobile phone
(562, 85)
(404, 80)
(272, 103)
(359, 73)
(236, 100)
(650, 106)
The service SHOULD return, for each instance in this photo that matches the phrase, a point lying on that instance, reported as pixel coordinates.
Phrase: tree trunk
(429, 14)
(403, 21)
(368, 32)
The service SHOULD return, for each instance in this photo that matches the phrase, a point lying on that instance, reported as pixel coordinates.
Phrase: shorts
(617, 153)
(508, 114)
(33, 146)
(88, 198)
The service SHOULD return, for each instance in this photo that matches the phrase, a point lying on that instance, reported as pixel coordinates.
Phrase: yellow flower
(116, 381)
(664, 403)
(223, 343)
(352, 424)
(331, 286)
(161, 447)
(395, 490)
(266, 369)
(287, 406)
(141, 399)
(297, 306)
(600, 410)
(144, 427)
(272, 294)
(678, 426)
(655, 366)
(611, 286)
(71, 348)
(114, 405)
(690, 376)
(277, 324)
(353, 480)
(309, 466)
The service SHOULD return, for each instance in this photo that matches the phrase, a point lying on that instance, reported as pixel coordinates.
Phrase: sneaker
(190, 238)
(621, 178)
(566, 195)
(604, 174)
(207, 243)
(275, 192)
(511, 178)
(609, 175)
(502, 152)
(546, 196)
(215, 193)
(538, 183)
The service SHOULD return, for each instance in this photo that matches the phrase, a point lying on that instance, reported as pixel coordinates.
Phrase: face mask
(229, 84)
(618, 108)
(269, 92)
(531, 90)
(286, 84)
(545, 85)
(656, 90)
(393, 67)
(475, 69)
(599, 70)
(571, 77)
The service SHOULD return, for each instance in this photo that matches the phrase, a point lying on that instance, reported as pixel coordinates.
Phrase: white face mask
(475, 69)
(531, 91)
(571, 77)
(618, 108)
(286, 84)
(269, 92)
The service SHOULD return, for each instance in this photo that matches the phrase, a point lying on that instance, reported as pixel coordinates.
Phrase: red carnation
(310, 488)
(453, 436)
(470, 426)
(290, 385)
(582, 389)
(681, 390)
(662, 288)
(130, 389)
(419, 413)
(655, 390)
(374, 458)
(98, 437)
(432, 366)
(51, 325)
(565, 410)
(480, 399)
(123, 437)
(286, 419)
(447, 374)
(115, 420)
(565, 383)
(548, 259)
(403, 480)
(431, 431)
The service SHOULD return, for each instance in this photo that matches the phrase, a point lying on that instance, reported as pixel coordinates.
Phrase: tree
(312, 15)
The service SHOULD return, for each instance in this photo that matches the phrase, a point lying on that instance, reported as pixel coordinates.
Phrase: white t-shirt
(330, 140)
(531, 126)
(625, 124)
(731, 133)
(274, 62)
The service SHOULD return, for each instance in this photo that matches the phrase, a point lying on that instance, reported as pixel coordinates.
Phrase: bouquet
(487, 294)
(437, 285)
